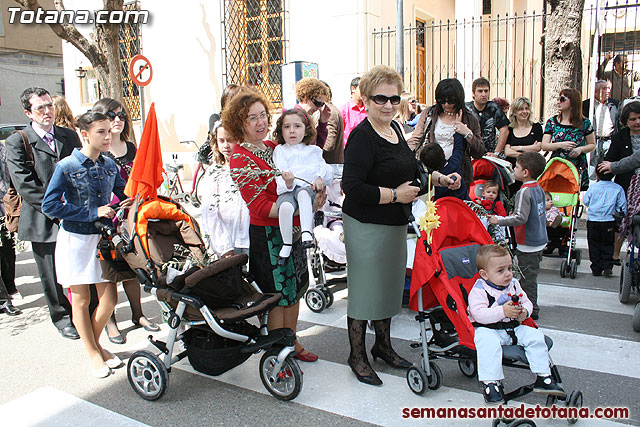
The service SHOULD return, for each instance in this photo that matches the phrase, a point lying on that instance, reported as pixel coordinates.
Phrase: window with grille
(254, 45)
(129, 47)
(622, 42)
(486, 7)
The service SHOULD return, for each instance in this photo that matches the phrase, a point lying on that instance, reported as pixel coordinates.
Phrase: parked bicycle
(173, 186)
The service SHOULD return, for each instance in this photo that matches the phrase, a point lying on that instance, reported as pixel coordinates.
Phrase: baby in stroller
(497, 308)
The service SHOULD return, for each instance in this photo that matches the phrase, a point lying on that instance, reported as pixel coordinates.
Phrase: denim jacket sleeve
(54, 206)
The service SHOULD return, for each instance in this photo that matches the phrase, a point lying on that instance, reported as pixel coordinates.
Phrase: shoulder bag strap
(28, 150)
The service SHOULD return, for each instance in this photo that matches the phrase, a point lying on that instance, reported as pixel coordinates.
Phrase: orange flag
(146, 174)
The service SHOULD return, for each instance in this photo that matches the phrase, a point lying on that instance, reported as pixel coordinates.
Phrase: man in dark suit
(50, 144)
(605, 119)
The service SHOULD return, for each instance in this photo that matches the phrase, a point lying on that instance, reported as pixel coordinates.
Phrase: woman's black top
(371, 161)
(535, 135)
(620, 148)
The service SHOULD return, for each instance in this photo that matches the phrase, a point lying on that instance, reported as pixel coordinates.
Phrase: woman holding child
(379, 168)
(246, 119)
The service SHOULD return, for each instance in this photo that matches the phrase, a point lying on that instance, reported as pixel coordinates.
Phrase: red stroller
(444, 272)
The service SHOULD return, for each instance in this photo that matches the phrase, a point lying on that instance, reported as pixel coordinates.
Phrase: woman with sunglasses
(123, 152)
(407, 111)
(569, 135)
(313, 96)
(379, 168)
(447, 121)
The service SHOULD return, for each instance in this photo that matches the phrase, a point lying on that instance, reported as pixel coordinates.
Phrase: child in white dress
(304, 172)
(225, 217)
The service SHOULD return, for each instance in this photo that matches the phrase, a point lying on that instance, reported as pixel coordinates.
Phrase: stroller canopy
(560, 176)
(453, 243)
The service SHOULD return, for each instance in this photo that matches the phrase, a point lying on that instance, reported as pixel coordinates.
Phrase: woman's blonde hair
(63, 114)
(376, 76)
(403, 111)
(517, 104)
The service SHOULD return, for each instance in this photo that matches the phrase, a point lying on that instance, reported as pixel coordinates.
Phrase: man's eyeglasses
(112, 115)
(317, 103)
(383, 99)
(562, 98)
(446, 101)
(253, 119)
(41, 108)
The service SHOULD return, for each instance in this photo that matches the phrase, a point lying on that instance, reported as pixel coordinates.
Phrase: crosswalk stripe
(570, 349)
(332, 387)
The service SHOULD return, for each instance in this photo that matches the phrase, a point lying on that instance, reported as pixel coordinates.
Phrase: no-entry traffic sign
(140, 70)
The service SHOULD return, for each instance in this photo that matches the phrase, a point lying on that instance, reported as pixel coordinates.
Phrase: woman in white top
(225, 217)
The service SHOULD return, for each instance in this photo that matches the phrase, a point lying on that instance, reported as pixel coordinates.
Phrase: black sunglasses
(122, 115)
(563, 98)
(317, 103)
(383, 99)
(446, 101)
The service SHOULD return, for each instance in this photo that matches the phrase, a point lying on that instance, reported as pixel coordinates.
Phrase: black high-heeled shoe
(282, 260)
(393, 360)
(371, 379)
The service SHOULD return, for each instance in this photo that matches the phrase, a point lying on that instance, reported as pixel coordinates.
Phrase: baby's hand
(493, 219)
(288, 179)
(523, 315)
(510, 310)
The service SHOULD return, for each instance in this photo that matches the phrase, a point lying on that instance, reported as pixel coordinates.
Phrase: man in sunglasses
(30, 175)
(490, 116)
(312, 96)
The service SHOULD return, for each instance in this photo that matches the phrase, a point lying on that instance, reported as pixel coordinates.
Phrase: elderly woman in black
(379, 168)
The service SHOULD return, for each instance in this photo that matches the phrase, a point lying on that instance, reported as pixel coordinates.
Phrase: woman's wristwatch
(395, 195)
(468, 136)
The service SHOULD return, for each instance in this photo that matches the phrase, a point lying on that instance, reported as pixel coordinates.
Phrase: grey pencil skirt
(376, 260)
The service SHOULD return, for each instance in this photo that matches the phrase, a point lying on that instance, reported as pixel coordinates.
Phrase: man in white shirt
(605, 119)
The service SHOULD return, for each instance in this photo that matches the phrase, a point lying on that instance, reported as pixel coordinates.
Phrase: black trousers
(8, 261)
(601, 236)
(59, 306)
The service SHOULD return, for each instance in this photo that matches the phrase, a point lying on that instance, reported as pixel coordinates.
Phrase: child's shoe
(307, 242)
(283, 256)
(547, 385)
(493, 394)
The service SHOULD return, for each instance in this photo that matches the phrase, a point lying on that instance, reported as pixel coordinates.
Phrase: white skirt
(77, 260)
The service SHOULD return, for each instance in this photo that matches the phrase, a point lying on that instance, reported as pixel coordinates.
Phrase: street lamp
(81, 73)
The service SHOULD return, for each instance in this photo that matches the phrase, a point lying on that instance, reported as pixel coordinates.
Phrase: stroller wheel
(468, 368)
(573, 269)
(551, 400)
(636, 318)
(315, 299)
(417, 380)
(575, 401)
(563, 268)
(626, 280)
(285, 384)
(147, 375)
(435, 379)
(515, 423)
(329, 296)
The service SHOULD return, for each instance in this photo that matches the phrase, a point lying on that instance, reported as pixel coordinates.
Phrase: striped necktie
(48, 138)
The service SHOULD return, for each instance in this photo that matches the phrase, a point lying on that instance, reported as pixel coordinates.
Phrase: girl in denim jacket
(79, 194)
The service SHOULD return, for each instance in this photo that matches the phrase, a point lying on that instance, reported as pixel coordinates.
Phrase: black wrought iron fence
(129, 47)
(507, 50)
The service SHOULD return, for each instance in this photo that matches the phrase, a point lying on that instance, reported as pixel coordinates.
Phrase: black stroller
(161, 243)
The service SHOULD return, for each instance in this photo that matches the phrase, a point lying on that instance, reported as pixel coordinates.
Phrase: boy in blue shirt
(603, 199)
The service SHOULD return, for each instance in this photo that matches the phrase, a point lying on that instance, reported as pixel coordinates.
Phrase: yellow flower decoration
(429, 221)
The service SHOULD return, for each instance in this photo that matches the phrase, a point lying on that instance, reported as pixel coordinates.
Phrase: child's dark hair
(486, 252)
(84, 121)
(490, 184)
(603, 176)
(309, 131)
(432, 156)
(533, 162)
(546, 193)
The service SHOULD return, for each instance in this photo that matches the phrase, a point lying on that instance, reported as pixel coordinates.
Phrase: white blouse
(304, 161)
(443, 134)
(225, 216)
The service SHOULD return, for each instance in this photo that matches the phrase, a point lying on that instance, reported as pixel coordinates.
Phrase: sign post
(141, 73)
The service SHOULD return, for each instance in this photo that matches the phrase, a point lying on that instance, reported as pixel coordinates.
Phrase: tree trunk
(563, 56)
(103, 51)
